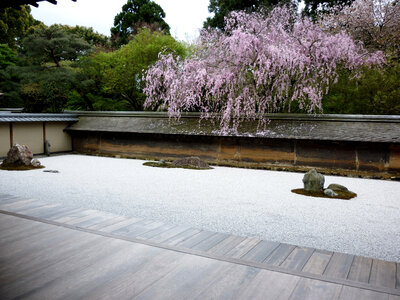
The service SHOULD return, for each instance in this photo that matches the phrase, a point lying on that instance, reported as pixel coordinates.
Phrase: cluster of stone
(20, 155)
(192, 161)
(314, 182)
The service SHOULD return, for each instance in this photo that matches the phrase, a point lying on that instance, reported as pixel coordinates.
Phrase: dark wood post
(44, 137)
(11, 135)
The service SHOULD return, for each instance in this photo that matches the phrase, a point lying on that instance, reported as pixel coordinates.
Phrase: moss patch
(169, 165)
(18, 167)
(341, 195)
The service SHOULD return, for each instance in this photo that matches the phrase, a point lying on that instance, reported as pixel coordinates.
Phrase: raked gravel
(243, 202)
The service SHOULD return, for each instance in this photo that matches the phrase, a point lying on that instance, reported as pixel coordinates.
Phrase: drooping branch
(238, 75)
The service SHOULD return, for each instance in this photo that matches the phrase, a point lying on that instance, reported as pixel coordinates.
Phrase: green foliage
(128, 64)
(10, 87)
(36, 85)
(13, 25)
(8, 57)
(222, 8)
(376, 92)
(54, 44)
(46, 89)
(116, 77)
(88, 34)
(89, 92)
(136, 14)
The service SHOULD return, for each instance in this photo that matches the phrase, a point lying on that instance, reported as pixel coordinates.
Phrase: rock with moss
(338, 187)
(20, 157)
(19, 154)
(313, 181)
(193, 161)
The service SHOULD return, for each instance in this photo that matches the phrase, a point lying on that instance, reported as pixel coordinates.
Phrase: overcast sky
(184, 17)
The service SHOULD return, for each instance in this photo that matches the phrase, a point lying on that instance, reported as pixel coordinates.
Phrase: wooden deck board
(210, 242)
(85, 275)
(227, 283)
(318, 262)
(165, 235)
(360, 269)
(8, 199)
(178, 238)
(121, 224)
(226, 245)
(196, 239)
(103, 255)
(58, 271)
(8, 224)
(242, 248)
(157, 231)
(86, 215)
(269, 285)
(24, 204)
(298, 258)
(313, 289)
(64, 218)
(40, 210)
(383, 273)
(16, 233)
(31, 260)
(68, 211)
(339, 265)
(107, 222)
(361, 294)
(93, 221)
(183, 282)
(398, 276)
(52, 267)
(128, 284)
(138, 228)
(260, 251)
(279, 254)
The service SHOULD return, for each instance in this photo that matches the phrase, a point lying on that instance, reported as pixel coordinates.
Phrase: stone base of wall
(360, 159)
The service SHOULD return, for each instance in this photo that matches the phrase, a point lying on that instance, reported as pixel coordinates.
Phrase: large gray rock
(192, 161)
(313, 181)
(19, 155)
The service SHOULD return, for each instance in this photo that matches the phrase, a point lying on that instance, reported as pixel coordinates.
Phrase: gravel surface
(237, 201)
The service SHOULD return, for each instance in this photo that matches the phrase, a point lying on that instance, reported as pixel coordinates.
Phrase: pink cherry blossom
(259, 63)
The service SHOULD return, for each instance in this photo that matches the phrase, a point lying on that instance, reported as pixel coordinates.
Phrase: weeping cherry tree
(259, 63)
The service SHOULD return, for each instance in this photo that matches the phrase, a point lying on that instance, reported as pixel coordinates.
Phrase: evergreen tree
(136, 14)
(54, 44)
(14, 23)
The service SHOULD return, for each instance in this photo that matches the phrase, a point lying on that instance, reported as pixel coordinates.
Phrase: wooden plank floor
(52, 251)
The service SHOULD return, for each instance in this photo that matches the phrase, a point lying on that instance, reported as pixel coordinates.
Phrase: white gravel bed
(243, 202)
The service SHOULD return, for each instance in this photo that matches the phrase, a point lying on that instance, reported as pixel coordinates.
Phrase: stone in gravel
(337, 187)
(330, 193)
(19, 155)
(192, 161)
(35, 163)
(51, 171)
(313, 181)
